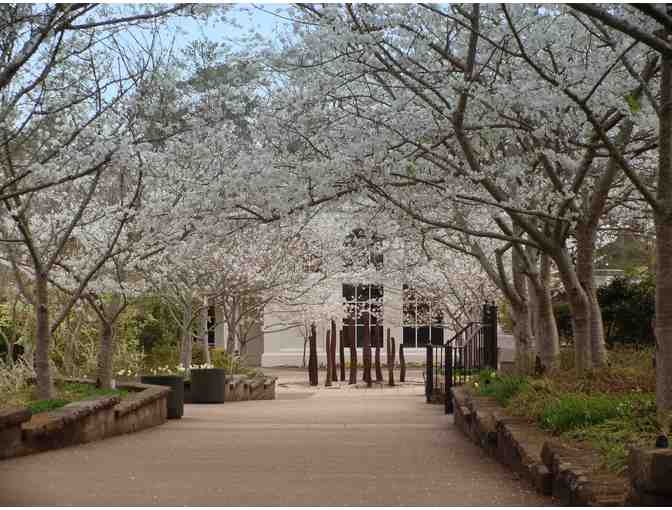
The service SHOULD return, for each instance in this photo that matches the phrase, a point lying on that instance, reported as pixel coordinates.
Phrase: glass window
(421, 319)
(363, 307)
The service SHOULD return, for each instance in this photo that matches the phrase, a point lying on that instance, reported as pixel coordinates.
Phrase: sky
(257, 16)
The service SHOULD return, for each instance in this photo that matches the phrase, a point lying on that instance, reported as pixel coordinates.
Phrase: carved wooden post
(352, 337)
(402, 363)
(334, 373)
(312, 359)
(327, 348)
(342, 354)
(367, 354)
(390, 358)
(378, 339)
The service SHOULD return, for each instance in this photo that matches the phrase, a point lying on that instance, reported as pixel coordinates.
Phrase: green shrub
(628, 307)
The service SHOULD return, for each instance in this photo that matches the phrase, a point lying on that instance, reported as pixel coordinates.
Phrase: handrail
(471, 349)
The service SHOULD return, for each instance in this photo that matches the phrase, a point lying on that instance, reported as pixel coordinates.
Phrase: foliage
(610, 408)
(563, 319)
(502, 388)
(231, 363)
(42, 406)
(164, 353)
(628, 308)
(14, 380)
(573, 411)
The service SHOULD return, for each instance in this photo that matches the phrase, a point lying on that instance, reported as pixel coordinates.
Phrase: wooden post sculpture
(312, 357)
(327, 348)
(352, 339)
(334, 373)
(390, 359)
(367, 355)
(341, 350)
(402, 363)
(378, 340)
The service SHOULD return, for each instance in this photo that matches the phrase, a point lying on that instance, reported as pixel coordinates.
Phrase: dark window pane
(437, 336)
(360, 336)
(409, 337)
(363, 292)
(348, 292)
(377, 292)
(423, 336)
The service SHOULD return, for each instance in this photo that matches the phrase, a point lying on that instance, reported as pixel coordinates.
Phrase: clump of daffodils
(204, 365)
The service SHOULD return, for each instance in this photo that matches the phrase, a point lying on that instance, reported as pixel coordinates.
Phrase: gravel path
(311, 446)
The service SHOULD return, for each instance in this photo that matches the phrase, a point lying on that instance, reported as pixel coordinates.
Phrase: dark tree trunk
(352, 339)
(390, 359)
(312, 357)
(327, 380)
(402, 364)
(378, 336)
(341, 349)
(367, 355)
(334, 373)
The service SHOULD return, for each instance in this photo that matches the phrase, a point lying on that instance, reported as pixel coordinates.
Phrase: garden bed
(586, 440)
(22, 433)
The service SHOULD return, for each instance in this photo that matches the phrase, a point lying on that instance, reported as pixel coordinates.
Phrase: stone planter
(208, 385)
(176, 395)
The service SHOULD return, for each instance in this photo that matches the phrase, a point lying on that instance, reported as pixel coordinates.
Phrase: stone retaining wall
(552, 468)
(82, 422)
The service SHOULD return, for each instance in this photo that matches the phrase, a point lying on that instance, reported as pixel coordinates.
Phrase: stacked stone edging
(650, 477)
(240, 388)
(551, 468)
(83, 421)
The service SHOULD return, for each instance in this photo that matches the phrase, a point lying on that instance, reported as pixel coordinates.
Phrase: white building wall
(285, 347)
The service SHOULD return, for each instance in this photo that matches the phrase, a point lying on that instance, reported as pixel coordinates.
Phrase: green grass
(502, 388)
(42, 406)
(65, 394)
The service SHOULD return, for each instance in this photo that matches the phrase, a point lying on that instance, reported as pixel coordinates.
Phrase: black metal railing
(470, 350)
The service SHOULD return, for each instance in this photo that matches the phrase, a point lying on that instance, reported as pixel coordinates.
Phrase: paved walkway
(335, 447)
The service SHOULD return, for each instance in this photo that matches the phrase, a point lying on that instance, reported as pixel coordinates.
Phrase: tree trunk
(332, 352)
(579, 305)
(390, 359)
(522, 334)
(663, 218)
(367, 355)
(378, 340)
(105, 356)
(352, 337)
(585, 254)
(205, 346)
(402, 363)
(522, 319)
(185, 355)
(546, 335)
(327, 349)
(45, 383)
(232, 326)
(312, 357)
(341, 352)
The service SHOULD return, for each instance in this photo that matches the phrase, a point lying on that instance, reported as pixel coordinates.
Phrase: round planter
(207, 385)
(175, 398)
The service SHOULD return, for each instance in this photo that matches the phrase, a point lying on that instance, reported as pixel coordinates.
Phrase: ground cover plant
(609, 409)
(66, 393)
